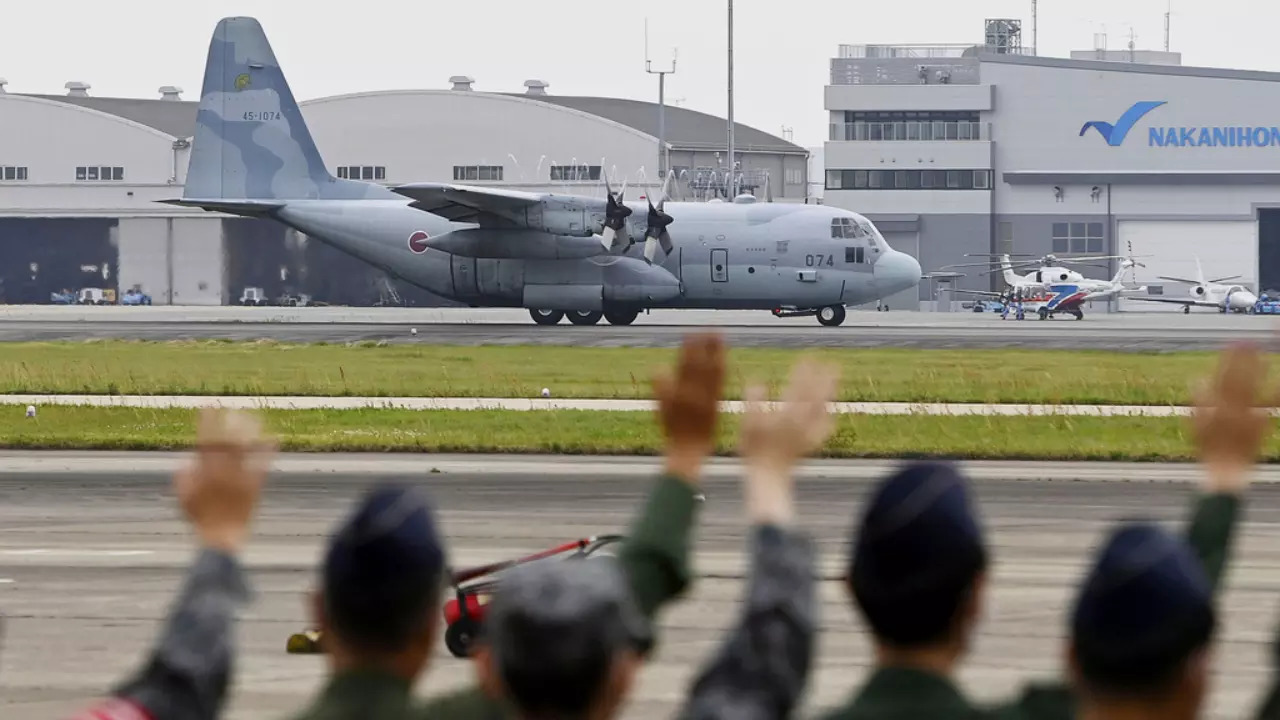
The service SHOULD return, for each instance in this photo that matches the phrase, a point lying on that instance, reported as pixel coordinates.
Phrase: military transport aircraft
(252, 155)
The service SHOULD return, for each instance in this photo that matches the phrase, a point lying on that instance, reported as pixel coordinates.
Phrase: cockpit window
(868, 232)
(846, 228)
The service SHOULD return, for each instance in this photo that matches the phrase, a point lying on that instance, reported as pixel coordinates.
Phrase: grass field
(585, 432)
(263, 368)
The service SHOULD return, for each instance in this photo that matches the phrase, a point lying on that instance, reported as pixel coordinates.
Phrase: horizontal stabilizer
(1177, 279)
(1224, 279)
(231, 207)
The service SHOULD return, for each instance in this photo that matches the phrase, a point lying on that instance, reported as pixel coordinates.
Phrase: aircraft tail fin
(1009, 276)
(251, 142)
(1199, 272)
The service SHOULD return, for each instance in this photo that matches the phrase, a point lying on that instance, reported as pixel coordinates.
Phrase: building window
(94, 173)
(913, 126)
(1078, 237)
(363, 172)
(795, 176)
(575, 173)
(13, 172)
(477, 172)
(908, 179)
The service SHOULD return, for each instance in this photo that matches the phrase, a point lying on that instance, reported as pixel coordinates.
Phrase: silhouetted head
(383, 575)
(1142, 624)
(918, 562)
(563, 640)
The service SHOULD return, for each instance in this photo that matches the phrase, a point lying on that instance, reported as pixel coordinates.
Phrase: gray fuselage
(725, 255)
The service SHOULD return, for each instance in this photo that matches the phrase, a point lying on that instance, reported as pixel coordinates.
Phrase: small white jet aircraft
(1210, 293)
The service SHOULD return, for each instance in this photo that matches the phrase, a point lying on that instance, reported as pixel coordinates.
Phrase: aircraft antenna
(663, 156)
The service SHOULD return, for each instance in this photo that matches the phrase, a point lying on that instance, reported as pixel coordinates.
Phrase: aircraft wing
(1177, 301)
(468, 203)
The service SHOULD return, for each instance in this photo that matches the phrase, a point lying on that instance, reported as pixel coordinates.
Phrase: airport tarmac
(91, 550)
(1137, 331)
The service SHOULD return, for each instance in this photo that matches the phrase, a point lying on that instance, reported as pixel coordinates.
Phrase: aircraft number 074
(263, 116)
(819, 260)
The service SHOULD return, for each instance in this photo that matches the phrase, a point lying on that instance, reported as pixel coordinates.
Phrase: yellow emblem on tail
(242, 81)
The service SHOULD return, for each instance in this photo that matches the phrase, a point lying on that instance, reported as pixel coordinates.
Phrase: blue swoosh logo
(1114, 134)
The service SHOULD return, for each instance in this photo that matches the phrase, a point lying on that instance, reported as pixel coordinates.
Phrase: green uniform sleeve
(1213, 521)
(655, 555)
(1211, 532)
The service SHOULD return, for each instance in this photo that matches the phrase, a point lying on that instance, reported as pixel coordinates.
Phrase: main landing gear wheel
(1044, 313)
(1078, 313)
(831, 315)
(621, 317)
(459, 637)
(581, 317)
(546, 317)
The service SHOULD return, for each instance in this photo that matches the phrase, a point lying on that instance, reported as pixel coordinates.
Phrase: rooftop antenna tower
(732, 186)
(662, 101)
(1132, 45)
(1168, 12)
(1034, 27)
(1003, 36)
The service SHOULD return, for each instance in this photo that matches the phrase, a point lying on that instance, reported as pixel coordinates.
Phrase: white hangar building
(988, 148)
(80, 177)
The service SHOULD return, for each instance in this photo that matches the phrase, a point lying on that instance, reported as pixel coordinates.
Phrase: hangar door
(909, 243)
(1225, 247)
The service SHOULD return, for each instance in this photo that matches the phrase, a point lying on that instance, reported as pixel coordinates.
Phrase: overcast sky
(583, 47)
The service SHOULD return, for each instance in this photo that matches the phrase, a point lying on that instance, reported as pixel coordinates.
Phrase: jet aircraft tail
(252, 147)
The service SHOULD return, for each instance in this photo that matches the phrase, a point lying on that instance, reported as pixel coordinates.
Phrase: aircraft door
(464, 277)
(720, 265)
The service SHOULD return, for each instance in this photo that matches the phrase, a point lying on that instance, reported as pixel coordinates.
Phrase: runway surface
(596, 405)
(1147, 331)
(91, 551)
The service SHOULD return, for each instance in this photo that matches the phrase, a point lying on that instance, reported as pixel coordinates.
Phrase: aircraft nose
(897, 271)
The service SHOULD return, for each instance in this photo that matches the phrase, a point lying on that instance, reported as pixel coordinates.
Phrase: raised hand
(773, 441)
(219, 488)
(688, 404)
(1231, 419)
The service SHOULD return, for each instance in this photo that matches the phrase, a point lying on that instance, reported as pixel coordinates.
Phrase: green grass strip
(890, 375)
(620, 433)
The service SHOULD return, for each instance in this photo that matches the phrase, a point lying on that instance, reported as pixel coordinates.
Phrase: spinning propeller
(656, 232)
(615, 216)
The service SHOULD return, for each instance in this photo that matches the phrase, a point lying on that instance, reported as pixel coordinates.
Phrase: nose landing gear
(830, 316)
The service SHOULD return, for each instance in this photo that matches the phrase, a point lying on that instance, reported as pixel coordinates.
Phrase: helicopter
(1056, 288)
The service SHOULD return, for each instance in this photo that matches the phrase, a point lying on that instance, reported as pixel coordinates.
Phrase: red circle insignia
(418, 242)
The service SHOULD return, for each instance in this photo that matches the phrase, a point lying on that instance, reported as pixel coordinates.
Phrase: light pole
(733, 174)
(662, 103)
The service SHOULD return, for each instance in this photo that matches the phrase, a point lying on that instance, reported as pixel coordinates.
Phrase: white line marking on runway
(76, 552)
(534, 404)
